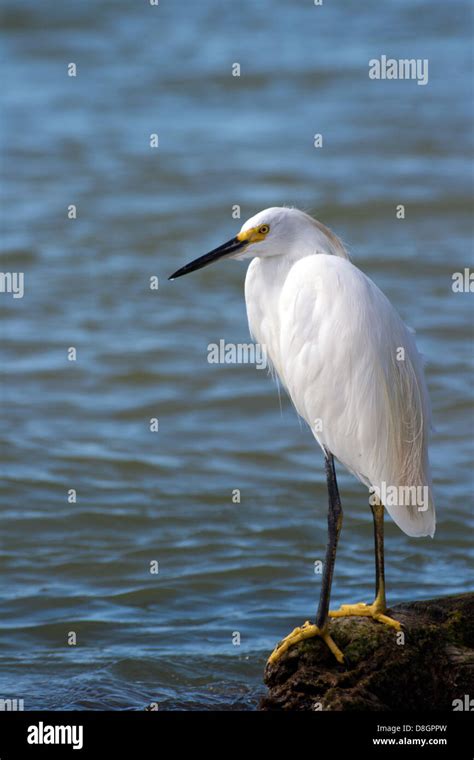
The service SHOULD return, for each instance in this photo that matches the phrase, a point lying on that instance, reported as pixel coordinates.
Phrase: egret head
(274, 231)
(271, 232)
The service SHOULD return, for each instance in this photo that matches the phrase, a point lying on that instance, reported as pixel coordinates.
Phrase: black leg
(334, 529)
(321, 628)
(377, 512)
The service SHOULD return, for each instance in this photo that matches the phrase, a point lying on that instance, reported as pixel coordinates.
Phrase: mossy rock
(428, 667)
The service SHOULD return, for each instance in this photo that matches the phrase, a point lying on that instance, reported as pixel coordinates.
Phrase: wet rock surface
(426, 668)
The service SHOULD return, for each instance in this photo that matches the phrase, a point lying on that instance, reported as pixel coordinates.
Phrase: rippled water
(167, 496)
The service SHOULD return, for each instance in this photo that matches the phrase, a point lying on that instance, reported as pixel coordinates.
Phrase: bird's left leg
(321, 628)
(378, 608)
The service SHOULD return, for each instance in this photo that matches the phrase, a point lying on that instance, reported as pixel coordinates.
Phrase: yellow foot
(375, 611)
(306, 631)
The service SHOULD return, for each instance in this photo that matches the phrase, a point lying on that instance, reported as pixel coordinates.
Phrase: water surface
(224, 568)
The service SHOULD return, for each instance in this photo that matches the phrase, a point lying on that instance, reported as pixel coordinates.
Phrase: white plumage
(346, 359)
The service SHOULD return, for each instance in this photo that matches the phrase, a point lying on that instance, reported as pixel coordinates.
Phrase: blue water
(166, 496)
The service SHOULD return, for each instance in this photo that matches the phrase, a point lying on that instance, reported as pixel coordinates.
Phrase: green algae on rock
(429, 665)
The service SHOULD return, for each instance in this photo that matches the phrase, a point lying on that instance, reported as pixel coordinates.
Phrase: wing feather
(353, 372)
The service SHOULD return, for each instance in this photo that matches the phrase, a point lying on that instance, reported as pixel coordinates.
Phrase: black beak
(218, 253)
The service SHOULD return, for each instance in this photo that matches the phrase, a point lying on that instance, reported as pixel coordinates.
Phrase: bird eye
(264, 229)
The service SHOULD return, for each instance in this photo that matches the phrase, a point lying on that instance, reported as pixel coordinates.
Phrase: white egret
(352, 371)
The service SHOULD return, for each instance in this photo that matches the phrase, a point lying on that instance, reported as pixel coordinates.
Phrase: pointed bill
(229, 248)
